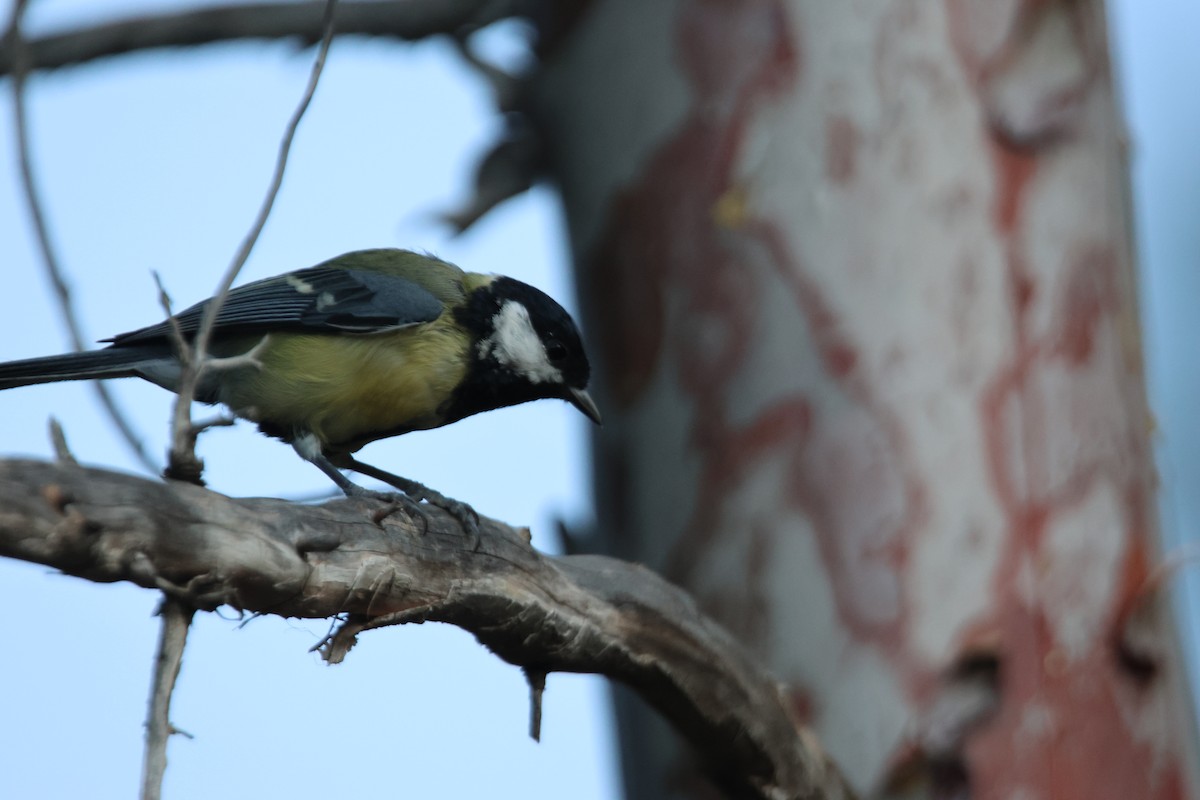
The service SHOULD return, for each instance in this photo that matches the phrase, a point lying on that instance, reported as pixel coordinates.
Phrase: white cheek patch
(515, 344)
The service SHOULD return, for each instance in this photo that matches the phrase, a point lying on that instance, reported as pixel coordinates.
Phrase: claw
(415, 492)
(468, 518)
(395, 501)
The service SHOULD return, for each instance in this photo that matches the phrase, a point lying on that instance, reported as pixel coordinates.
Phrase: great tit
(370, 344)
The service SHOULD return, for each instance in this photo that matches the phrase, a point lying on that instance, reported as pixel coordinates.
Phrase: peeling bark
(569, 614)
(860, 276)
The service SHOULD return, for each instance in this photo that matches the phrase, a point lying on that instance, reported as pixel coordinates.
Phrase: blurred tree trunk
(860, 278)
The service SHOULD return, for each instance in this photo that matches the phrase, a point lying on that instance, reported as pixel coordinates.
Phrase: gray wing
(315, 300)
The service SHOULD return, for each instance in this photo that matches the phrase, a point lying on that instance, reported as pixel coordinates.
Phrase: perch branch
(568, 614)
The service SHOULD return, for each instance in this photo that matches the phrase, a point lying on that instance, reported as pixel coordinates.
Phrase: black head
(526, 347)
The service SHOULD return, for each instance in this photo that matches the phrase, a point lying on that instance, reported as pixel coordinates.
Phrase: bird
(365, 346)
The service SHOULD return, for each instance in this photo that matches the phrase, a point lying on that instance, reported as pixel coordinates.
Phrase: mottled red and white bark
(859, 275)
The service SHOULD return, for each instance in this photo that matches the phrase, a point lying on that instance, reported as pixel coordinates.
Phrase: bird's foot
(395, 501)
(412, 494)
(468, 518)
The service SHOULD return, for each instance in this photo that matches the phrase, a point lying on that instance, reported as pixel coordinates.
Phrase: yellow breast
(349, 389)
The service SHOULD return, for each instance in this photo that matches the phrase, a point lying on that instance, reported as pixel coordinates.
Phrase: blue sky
(159, 162)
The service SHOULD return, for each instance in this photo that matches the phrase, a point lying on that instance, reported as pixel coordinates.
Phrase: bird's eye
(557, 351)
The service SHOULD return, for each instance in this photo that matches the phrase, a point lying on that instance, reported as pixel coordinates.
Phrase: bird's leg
(318, 459)
(467, 517)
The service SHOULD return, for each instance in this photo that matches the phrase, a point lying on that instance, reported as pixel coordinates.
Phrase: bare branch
(164, 300)
(411, 20)
(182, 458)
(572, 613)
(176, 619)
(19, 60)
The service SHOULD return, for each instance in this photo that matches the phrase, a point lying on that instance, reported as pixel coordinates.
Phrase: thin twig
(176, 618)
(182, 443)
(177, 337)
(20, 58)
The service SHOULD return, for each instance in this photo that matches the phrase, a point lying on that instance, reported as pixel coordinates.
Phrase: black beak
(583, 401)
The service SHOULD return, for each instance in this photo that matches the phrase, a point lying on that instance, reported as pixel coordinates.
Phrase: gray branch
(569, 614)
(410, 20)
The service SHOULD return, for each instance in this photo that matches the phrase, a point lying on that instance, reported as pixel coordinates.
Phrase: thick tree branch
(570, 614)
(410, 20)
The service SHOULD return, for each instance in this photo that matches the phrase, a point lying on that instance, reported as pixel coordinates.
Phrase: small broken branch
(58, 439)
(569, 614)
(536, 678)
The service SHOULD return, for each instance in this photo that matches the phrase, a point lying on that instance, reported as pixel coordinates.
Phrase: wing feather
(314, 300)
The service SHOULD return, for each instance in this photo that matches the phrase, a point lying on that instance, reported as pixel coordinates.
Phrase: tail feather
(111, 362)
